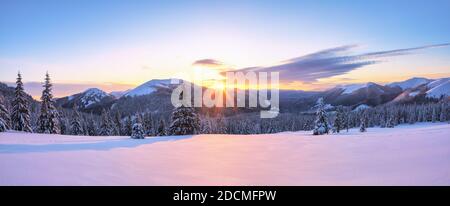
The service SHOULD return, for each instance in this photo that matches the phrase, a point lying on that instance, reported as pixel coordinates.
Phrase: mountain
(86, 101)
(370, 94)
(434, 89)
(118, 94)
(150, 87)
(439, 88)
(410, 83)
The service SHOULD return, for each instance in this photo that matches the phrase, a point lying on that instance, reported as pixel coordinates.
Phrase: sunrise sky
(116, 45)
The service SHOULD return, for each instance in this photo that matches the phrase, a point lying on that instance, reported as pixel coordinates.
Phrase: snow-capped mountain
(86, 100)
(410, 83)
(371, 94)
(439, 88)
(118, 94)
(151, 86)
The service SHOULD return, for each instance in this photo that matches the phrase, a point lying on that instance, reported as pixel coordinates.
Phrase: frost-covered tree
(138, 129)
(161, 128)
(4, 116)
(339, 120)
(433, 115)
(20, 116)
(128, 126)
(147, 123)
(105, 126)
(117, 124)
(363, 122)
(48, 121)
(443, 111)
(321, 123)
(91, 127)
(184, 121)
(75, 124)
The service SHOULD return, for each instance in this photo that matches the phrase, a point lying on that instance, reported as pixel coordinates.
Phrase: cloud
(331, 62)
(208, 63)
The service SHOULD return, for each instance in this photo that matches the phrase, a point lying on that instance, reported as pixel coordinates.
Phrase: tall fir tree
(147, 123)
(184, 121)
(20, 116)
(48, 121)
(4, 116)
(117, 124)
(161, 128)
(75, 124)
(105, 127)
(363, 122)
(321, 124)
(91, 126)
(138, 129)
(339, 120)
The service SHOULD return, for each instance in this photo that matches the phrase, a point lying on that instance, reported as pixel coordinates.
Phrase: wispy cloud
(332, 62)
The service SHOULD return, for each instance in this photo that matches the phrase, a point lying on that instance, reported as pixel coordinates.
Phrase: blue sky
(118, 44)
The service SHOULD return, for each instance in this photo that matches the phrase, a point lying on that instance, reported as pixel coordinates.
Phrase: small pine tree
(48, 121)
(433, 115)
(161, 128)
(184, 121)
(75, 125)
(138, 129)
(321, 123)
(20, 115)
(4, 116)
(442, 115)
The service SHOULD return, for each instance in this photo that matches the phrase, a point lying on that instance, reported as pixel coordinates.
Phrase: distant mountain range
(154, 95)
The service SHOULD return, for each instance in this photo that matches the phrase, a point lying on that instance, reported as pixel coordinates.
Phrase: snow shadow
(98, 145)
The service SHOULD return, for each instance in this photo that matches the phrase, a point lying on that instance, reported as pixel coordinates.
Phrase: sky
(117, 45)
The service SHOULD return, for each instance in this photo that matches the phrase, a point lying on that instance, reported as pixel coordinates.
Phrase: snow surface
(348, 89)
(362, 107)
(416, 154)
(410, 83)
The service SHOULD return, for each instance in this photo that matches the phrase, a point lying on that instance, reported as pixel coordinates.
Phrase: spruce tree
(128, 126)
(161, 128)
(48, 121)
(339, 120)
(4, 116)
(105, 127)
(138, 129)
(91, 126)
(321, 123)
(75, 125)
(148, 124)
(20, 115)
(117, 124)
(184, 121)
(363, 122)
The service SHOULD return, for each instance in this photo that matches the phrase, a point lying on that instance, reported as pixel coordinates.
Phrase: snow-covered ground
(406, 155)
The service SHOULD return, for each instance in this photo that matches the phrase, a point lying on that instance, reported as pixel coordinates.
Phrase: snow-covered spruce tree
(138, 129)
(20, 116)
(75, 124)
(105, 127)
(443, 111)
(184, 121)
(117, 124)
(128, 126)
(91, 127)
(363, 122)
(339, 120)
(147, 123)
(4, 116)
(433, 115)
(161, 128)
(321, 123)
(48, 121)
